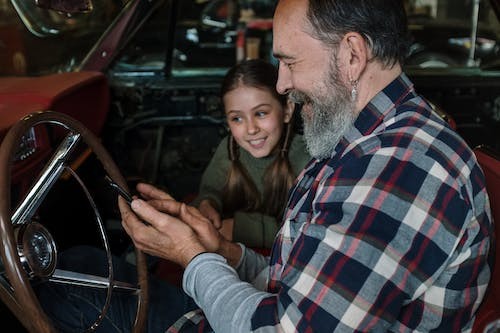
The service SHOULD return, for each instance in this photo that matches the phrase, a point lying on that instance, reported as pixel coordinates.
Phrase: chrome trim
(48, 177)
(88, 280)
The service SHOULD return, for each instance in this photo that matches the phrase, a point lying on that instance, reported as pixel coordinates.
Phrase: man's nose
(284, 83)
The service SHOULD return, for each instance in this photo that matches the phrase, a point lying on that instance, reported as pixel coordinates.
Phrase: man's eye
(288, 65)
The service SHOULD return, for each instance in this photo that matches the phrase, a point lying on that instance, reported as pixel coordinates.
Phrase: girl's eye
(260, 114)
(235, 119)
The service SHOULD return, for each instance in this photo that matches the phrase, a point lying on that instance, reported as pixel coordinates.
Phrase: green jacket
(253, 229)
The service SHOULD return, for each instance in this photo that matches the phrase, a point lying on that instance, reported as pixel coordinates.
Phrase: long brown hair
(239, 192)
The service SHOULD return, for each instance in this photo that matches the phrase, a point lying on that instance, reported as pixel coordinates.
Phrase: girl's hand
(207, 210)
(227, 229)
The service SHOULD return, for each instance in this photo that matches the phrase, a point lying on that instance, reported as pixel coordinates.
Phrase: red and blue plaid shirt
(389, 234)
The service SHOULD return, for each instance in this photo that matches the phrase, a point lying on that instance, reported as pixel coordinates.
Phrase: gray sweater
(214, 285)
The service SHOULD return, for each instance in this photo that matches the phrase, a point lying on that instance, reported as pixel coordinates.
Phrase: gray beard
(331, 117)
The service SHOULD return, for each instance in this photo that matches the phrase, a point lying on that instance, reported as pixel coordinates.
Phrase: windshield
(204, 39)
(206, 36)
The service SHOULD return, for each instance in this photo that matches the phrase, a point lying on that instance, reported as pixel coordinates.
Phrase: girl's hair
(240, 193)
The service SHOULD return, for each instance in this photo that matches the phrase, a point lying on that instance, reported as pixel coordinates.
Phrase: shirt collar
(373, 114)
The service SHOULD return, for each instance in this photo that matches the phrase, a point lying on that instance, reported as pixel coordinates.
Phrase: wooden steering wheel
(28, 250)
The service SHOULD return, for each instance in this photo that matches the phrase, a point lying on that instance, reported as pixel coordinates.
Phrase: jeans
(75, 308)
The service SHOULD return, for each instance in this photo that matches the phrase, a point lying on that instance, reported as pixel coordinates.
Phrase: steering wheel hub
(37, 250)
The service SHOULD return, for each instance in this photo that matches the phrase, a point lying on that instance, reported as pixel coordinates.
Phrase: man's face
(326, 117)
(309, 70)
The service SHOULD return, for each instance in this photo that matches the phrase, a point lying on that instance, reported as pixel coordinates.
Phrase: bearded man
(386, 229)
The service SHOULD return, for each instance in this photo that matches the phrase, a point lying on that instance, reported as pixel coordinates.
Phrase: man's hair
(382, 23)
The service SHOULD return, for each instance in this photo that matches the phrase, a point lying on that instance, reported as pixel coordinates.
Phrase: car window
(205, 38)
(442, 30)
(34, 41)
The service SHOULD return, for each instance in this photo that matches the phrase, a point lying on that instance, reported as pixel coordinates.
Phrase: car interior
(129, 90)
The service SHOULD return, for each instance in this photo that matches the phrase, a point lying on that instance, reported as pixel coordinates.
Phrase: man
(387, 229)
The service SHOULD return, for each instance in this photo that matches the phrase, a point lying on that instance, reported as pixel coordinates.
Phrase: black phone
(124, 194)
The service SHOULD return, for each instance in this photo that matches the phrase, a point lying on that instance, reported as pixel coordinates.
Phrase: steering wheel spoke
(89, 280)
(44, 183)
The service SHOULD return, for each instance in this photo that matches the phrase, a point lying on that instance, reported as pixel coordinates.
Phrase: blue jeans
(75, 308)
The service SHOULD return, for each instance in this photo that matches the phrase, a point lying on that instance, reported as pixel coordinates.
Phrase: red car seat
(490, 308)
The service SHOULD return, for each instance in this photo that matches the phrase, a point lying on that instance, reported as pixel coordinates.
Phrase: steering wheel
(28, 250)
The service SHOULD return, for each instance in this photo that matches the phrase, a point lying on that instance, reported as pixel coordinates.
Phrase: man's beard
(331, 114)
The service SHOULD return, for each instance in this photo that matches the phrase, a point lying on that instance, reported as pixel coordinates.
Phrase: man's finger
(191, 216)
(148, 213)
(151, 192)
(130, 222)
(171, 207)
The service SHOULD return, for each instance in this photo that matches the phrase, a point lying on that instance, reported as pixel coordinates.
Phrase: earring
(354, 91)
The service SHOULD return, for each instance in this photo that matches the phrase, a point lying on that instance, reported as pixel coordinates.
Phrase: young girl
(244, 188)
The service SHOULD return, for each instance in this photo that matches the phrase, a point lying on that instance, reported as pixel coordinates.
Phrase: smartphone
(124, 194)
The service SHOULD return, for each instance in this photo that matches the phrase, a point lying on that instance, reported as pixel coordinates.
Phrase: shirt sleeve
(251, 265)
(227, 302)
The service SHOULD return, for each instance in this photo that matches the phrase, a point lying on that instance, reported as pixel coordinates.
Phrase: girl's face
(256, 119)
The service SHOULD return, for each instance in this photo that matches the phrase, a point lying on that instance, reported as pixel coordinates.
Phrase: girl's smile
(256, 119)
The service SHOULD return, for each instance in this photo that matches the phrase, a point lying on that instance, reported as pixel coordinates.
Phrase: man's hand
(162, 201)
(177, 232)
(166, 236)
(150, 192)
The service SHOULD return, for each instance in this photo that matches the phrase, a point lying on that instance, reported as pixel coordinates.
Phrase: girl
(244, 188)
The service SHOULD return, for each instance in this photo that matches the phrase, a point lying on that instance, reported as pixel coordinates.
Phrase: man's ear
(288, 111)
(355, 55)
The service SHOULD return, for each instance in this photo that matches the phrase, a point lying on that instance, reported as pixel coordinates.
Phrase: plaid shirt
(389, 234)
